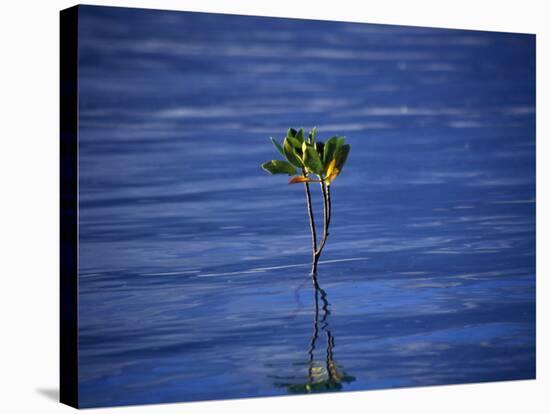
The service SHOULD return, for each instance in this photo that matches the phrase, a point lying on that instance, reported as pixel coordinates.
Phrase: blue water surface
(194, 263)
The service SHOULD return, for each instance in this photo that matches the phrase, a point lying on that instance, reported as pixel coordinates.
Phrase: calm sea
(194, 263)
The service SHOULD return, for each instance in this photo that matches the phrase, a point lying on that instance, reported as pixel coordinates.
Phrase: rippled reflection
(323, 372)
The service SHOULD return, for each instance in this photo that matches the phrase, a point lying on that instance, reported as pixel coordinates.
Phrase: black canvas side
(69, 206)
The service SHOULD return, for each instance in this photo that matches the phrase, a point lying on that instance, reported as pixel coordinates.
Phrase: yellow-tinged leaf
(331, 177)
(330, 167)
(302, 179)
(332, 172)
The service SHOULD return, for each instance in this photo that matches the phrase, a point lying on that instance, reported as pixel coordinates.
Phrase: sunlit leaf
(290, 153)
(311, 159)
(312, 134)
(278, 146)
(279, 167)
(300, 135)
(332, 172)
(301, 179)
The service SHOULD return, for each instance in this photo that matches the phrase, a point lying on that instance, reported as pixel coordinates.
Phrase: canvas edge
(68, 129)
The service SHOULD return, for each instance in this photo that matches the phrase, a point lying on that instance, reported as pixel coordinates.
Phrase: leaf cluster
(324, 160)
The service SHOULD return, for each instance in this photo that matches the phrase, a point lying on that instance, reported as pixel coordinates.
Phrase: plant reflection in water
(322, 374)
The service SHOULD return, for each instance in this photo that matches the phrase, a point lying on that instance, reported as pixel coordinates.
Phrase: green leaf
(291, 132)
(312, 134)
(296, 144)
(278, 146)
(311, 159)
(329, 150)
(300, 135)
(341, 156)
(279, 167)
(290, 153)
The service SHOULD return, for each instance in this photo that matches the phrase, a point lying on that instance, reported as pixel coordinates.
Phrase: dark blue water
(194, 263)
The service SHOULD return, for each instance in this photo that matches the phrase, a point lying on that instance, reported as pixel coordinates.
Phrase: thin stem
(316, 250)
(329, 205)
(326, 211)
(312, 228)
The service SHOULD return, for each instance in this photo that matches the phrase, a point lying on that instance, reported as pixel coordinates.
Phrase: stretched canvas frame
(504, 264)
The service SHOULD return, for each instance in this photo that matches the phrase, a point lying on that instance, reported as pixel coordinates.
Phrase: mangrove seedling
(310, 161)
